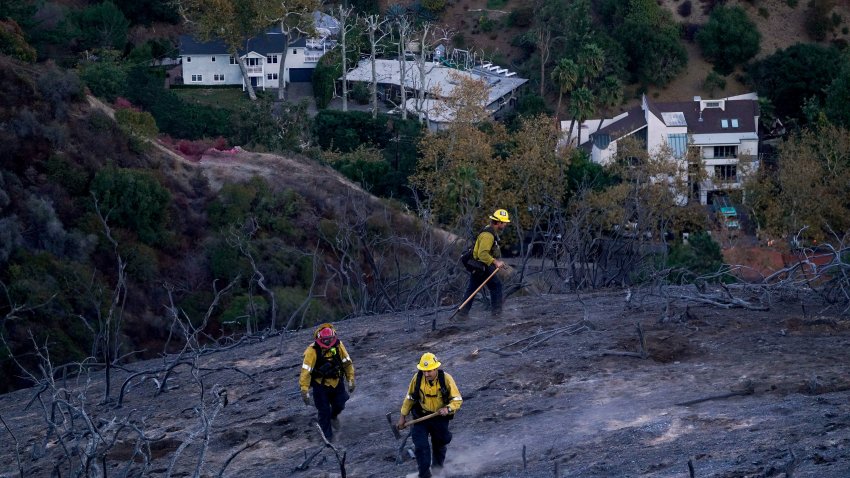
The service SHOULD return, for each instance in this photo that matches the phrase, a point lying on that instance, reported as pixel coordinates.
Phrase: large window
(271, 58)
(726, 173)
(197, 78)
(271, 76)
(218, 77)
(232, 60)
(725, 151)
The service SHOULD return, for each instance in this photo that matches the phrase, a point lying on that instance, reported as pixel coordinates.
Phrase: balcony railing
(254, 70)
(311, 58)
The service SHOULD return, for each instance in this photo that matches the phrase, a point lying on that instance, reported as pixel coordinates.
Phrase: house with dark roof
(209, 63)
(722, 133)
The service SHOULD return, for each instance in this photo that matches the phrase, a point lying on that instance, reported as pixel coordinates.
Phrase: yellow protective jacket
(486, 248)
(430, 397)
(310, 363)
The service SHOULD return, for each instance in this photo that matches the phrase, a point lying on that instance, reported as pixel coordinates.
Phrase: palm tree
(609, 93)
(581, 106)
(565, 75)
(591, 60)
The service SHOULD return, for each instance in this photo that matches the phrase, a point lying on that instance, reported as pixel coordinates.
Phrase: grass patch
(231, 99)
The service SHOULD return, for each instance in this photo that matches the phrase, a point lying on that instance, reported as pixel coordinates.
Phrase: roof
(710, 123)
(267, 43)
(437, 74)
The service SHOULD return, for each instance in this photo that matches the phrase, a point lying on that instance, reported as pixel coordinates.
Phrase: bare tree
(295, 18)
(345, 26)
(374, 28)
(428, 36)
(404, 28)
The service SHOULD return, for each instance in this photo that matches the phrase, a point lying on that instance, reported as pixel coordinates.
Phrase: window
(724, 123)
(712, 104)
(271, 58)
(726, 172)
(213, 58)
(725, 151)
(218, 77)
(188, 59)
(271, 76)
(295, 52)
(232, 60)
(734, 122)
(197, 78)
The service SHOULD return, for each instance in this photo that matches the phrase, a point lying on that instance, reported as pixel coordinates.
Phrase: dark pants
(434, 452)
(330, 402)
(494, 284)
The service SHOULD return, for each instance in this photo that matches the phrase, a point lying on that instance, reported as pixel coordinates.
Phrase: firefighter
(326, 363)
(487, 253)
(431, 390)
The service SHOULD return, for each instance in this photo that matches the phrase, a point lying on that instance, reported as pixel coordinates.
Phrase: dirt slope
(574, 408)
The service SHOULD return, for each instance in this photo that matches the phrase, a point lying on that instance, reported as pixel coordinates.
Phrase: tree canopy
(729, 38)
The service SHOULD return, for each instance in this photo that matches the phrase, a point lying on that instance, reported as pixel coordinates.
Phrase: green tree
(565, 76)
(838, 97)
(106, 78)
(794, 74)
(729, 38)
(101, 25)
(652, 42)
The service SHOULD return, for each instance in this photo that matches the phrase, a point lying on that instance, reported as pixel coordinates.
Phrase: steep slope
(545, 383)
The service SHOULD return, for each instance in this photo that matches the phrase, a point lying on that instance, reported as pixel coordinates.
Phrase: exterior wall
(297, 57)
(204, 65)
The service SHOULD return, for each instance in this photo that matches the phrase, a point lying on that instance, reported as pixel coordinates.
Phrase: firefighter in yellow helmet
(326, 362)
(431, 390)
(487, 254)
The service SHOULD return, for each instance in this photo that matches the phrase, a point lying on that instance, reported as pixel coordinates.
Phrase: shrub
(817, 21)
(134, 200)
(521, 17)
(435, 6)
(105, 79)
(700, 256)
(713, 82)
(360, 93)
(139, 124)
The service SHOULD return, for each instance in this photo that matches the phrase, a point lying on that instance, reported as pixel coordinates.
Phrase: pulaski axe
(395, 429)
(471, 296)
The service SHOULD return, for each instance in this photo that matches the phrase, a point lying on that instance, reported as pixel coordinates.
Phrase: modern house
(722, 133)
(209, 63)
(503, 87)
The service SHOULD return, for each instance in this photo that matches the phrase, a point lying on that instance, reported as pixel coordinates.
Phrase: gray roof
(267, 43)
(437, 75)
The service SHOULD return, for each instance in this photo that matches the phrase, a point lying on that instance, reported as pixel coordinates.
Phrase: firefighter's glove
(306, 397)
(351, 387)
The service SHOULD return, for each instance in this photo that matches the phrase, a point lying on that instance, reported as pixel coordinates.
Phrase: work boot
(496, 313)
(437, 471)
(335, 423)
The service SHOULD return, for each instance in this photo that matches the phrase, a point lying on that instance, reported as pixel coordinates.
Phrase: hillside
(544, 383)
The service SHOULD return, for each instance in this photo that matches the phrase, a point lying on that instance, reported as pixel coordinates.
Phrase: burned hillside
(559, 386)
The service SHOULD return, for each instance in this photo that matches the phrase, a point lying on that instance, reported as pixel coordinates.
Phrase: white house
(503, 87)
(209, 63)
(724, 132)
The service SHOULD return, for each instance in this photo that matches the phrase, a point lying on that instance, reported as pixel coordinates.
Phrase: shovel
(471, 296)
(395, 429)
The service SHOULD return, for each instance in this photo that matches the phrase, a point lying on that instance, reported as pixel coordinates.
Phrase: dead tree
(344, 14)
(429, 36)
(240, 238)
(376, 33)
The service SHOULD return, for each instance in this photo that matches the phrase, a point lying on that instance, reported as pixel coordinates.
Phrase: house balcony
(254, 70)
(316, 44)
(312, 58)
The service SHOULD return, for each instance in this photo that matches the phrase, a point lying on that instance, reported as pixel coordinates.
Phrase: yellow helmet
(428, 362)
(500, 215)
